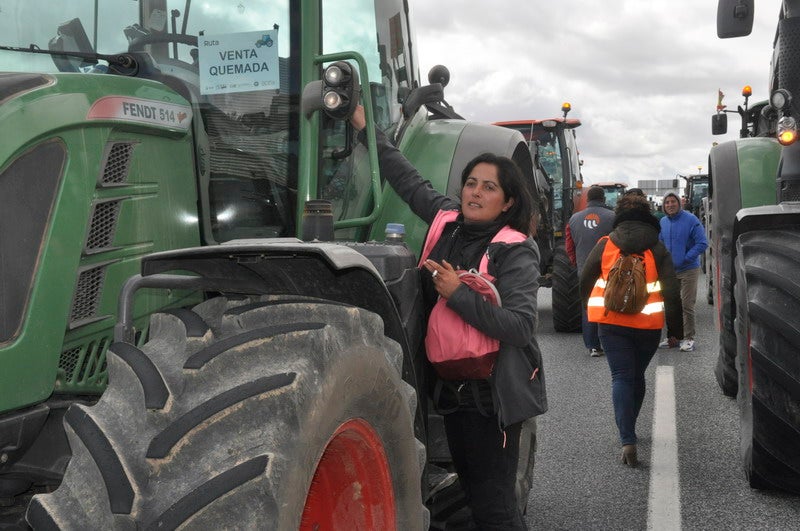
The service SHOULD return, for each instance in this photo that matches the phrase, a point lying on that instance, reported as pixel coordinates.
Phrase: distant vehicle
(553, 146)
(696, 189)
(613, 192)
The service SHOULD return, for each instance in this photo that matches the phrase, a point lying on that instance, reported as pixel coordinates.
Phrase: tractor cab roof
(569, 123)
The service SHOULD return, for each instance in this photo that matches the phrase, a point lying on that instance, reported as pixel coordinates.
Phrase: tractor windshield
(231, 60)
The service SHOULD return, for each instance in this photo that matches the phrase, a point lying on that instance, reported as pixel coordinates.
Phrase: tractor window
(250, 135)
(377, 30)
(550, 157)
(36, 22)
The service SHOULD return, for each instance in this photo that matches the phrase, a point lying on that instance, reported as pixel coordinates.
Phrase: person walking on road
(582, 232)
(482, 417)
(685, 237)
(631, 339)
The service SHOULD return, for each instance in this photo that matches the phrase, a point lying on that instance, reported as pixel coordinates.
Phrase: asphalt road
(579, 483)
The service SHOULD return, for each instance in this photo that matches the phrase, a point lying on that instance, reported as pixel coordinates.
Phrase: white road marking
(664, 503)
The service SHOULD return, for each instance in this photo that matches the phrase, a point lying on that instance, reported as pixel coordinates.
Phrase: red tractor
(559, 182)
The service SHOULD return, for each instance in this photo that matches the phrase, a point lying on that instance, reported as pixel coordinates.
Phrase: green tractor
(755, 227)
(559, 185)
(201, 324)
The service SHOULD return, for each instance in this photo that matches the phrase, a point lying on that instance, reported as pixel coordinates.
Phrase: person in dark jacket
(631, 340)
(482, 418)
(582, 232)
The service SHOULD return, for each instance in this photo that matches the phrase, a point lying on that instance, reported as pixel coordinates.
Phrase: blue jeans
(628, 351)
(590, 339)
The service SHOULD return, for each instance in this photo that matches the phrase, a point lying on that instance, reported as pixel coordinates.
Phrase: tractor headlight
(337, 92)
(332, 100)
(780, 99)
(334, 75)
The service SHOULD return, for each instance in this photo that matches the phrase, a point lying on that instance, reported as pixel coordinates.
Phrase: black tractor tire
(527, 461)
(768, 357)
(566, 295)
(710, 285)
(266, 420)
(725, 369)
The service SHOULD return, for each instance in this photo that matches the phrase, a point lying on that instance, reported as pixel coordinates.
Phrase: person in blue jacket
(685, 237)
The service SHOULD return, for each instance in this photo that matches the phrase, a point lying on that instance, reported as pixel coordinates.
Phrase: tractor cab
(241, 70)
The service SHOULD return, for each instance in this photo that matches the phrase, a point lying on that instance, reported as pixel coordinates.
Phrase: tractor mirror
(719, 124)
(734, 18)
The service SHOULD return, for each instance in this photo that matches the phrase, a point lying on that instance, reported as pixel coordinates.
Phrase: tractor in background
(613, 192)
(196, 299)
(559, 184)
(755, 235)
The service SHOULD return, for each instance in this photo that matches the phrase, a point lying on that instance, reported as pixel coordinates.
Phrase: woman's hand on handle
(445, 278)
(359, 119)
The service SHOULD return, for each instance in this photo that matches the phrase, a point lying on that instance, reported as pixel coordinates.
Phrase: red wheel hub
(352, 486)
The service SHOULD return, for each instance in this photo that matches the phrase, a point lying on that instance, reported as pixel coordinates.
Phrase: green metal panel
(156, 211)
(758, 170)
(430, 147)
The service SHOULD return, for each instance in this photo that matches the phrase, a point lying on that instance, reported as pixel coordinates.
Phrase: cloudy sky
(642, 76)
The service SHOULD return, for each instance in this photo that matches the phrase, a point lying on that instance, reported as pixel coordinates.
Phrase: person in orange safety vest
(631, 340)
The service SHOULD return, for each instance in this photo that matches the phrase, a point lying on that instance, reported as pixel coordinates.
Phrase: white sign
(238, 62)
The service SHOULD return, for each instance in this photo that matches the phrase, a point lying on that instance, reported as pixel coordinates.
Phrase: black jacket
(516, 395)
(635, 232)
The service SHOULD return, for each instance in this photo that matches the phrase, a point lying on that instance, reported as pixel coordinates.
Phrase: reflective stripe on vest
(652, 315)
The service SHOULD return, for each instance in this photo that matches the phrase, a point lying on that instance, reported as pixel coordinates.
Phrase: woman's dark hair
(632, 202)
(632, 207)
(509, 175)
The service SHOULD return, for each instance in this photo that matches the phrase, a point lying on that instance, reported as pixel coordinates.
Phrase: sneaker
(687, 345)
(665, 344)
(596, 352)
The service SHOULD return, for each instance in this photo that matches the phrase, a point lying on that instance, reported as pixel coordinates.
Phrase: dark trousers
(628, 351)
(487, 470)
(589, 329)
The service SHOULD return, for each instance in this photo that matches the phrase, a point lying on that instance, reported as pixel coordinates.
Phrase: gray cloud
(642, 76)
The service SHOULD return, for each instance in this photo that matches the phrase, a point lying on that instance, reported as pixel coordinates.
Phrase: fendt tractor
(202, 324)
(559, 182)
(757, 121)
(755, 187)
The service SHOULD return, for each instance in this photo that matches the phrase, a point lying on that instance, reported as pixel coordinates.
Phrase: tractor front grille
(87, 294)
(117, 163)
(790, 191)
(103, 225)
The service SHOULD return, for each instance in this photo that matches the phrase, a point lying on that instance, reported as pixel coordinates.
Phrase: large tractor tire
(725, 370)
(527, 461)
(270, 415)
(768, 358)
(566, 295)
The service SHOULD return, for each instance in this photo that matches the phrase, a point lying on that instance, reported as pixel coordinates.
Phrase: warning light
(787, 131)
(747, 91)
(565, 108)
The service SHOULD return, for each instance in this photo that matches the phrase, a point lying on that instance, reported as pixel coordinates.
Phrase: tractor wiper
(124, 61)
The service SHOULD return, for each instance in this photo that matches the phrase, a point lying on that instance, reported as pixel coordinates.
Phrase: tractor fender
(477, 138)
(322, 270)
